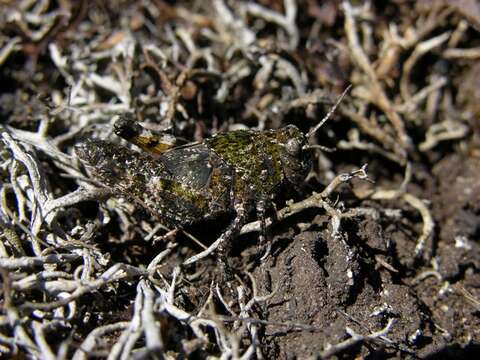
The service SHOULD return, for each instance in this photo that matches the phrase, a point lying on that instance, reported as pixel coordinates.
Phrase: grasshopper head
(296, 161)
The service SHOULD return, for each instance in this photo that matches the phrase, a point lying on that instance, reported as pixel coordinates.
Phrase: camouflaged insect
(198, 181)
(234, 172)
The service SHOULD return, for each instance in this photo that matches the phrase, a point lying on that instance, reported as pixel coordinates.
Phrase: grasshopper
(233, 172)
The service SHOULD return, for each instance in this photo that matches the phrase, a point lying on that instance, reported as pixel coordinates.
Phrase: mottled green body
(255, 158)
(185, 184)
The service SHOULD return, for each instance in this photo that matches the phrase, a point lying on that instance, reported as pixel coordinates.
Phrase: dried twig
(376, 92)
(428, 223)
(357, 338)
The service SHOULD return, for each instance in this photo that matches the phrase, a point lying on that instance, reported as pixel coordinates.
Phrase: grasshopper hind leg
(223, 244)
(129, 129)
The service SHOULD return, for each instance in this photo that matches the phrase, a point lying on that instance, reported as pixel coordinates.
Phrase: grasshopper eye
(293, 147)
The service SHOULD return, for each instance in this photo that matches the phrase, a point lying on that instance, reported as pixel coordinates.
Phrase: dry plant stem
(125, 344)
(190, 319)
(316, 200)
(388, 58)
(37, 25)
(283, 324)
(467, 54)
(228, 341)
(223, 301)
(231, 28)
(354, 143)
(471, 299)
(411, 104)
(37, 180)
(26, 262)
(458, 33)
(80, 195)
(420, 50)
(246, 309)
(428, 223)
(171, 90)
(10, 345)
(38, 195)
(17, 183)
(357, 338)
(377, 93)
(44, 207)
(88, 345)
(378, 134)
(432, 105)
(396, 44)
(43, 346)
(425, 274)
(153, 334)
(52, 282)
(20, 334)
(286, 70)
(39, 141)
(160, 257)
(237, 72)
(287, 21)
(115, 273)
(9, 49)
(34, 240)
(445, 130)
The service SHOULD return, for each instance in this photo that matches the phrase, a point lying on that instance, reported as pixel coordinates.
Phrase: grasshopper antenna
(332, 110)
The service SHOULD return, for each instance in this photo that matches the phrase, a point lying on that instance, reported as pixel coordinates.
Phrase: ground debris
(378, 261)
